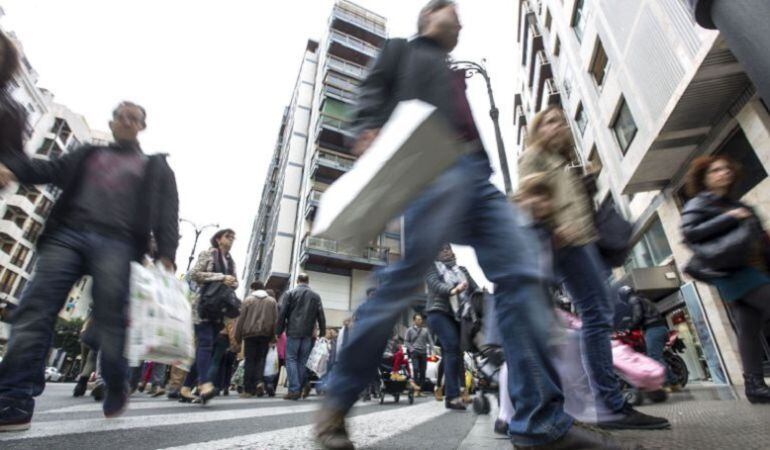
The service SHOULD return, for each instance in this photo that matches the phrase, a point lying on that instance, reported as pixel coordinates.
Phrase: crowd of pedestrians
(119, 204)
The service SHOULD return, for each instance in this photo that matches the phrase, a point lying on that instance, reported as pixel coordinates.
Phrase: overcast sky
(216, 76)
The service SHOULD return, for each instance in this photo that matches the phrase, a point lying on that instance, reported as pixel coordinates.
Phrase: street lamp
(198, 231)
(471, 68)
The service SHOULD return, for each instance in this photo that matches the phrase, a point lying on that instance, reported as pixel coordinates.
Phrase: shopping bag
(271, 362)
(640, 371)
(413, 148)
(160, 318)
(237, 379)
(319, 357)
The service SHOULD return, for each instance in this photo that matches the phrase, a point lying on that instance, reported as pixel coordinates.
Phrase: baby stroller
(484, 367)
(394, 383)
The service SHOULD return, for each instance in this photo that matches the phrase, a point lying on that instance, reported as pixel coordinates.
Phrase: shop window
(599, 64)
(624, 126)
(652, 250)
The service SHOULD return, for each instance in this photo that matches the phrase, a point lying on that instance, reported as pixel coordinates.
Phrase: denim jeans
(463, 207)
(655, 339)
(221, 343)
(64, 257)
(448, 331)
(297, 352)
(583, 273)
(205, 333)
(420, 365)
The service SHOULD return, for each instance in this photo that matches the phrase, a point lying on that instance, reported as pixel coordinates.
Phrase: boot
(80, 387)
(756, 389)
(330, 431)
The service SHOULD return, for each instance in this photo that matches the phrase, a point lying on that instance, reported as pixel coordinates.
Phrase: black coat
(404, 70)
(301, 309)
(705, 221)
(159, 213)
(438, 290)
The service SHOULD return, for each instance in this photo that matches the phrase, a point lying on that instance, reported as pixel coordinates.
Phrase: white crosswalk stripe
(148, 405)
(366, 429)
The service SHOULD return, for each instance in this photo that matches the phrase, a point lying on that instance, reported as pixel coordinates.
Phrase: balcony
(332, 132)
(535, 45)
(324, 252)
(329, 166)
(311, 203)
(361, 24)
(339, 94)
(351, 48)
(526, 19)
(357, 71)
(542, 73)
(551, 94)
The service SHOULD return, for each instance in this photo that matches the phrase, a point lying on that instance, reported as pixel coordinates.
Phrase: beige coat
(571, 204)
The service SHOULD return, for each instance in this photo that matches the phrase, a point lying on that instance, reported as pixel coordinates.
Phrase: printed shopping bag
(319, 357)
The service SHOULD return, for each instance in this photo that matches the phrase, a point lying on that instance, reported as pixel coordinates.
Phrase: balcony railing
(348, 68)
(354, 43)
(332, 160)
(368, 25)
(334, 123)
(339, 82)
(374, 255)
(339, 94)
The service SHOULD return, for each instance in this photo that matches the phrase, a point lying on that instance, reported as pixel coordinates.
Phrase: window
(33, 231)
(548, 19)
(624, 126)
(557, 46)
(6, 243)
(20, 256)
(581, 119)
(595, 161)
(579, 19)
(7, 281)
(738, 148)
(49, 148)
(599, 64)
(30, 192)
(44, 208)
(15, 215)
(20, 287)
(652, 250)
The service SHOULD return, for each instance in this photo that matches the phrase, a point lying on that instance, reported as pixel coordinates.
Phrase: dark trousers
(448, 330)
(744, 26)
(221, 343)
(64, 257)
(420, 365)
(751, 313)
(255, 351)
(205, 333)
(655, 339)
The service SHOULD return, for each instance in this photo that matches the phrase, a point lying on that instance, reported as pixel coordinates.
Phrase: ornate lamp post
(198, 231)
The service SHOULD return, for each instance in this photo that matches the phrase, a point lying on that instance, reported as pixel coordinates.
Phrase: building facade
(312, 151)
(646, 91)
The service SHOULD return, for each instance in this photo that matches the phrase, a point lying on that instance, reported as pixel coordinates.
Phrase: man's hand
(230, 280)
(364, 141)
(459, 288)
(168, 264)
(6, 176)
(739, 213)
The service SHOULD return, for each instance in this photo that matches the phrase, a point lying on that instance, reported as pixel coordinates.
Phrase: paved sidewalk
(702, 417)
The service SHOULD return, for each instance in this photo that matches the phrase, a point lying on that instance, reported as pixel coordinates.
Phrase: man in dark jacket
(462, 207)
(256, 328)
(301, 309)
(113, 198)
(645, 315)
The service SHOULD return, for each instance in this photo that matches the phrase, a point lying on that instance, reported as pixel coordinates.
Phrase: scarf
(452, 274)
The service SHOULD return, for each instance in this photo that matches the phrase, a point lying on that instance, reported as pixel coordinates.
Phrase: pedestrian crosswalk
(63, 422)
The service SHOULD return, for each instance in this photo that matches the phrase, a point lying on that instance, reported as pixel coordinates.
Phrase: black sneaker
(80, 387)
(631, 419)
(98, 392)
(115, 404)
(15, 414)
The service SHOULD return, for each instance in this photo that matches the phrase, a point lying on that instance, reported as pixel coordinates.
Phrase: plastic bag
(319, 357)
(639, 370)
(271, 362)
(160, 327)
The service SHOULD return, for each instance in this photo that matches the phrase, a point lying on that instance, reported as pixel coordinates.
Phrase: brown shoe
(292, 396)
(330, 431)
(306, 391)
(439, 393)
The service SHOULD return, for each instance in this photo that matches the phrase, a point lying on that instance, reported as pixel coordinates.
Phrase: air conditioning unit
(654, 282)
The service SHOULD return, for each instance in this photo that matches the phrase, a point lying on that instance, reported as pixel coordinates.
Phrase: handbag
(218, 301)
(614, 235)
(729, 251)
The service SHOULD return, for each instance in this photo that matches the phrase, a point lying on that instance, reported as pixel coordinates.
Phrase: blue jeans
(655, 339)
(205, 333)
(583, 273)
(448, 331)
(297, 352)
(463, 207)
(221, 343)
(64, 257)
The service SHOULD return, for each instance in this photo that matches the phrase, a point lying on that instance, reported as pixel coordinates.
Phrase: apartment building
(646, 91)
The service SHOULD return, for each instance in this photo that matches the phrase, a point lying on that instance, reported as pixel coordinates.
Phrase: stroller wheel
(382, 397)
(633, 396)
(481, 405)
(410, 395)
